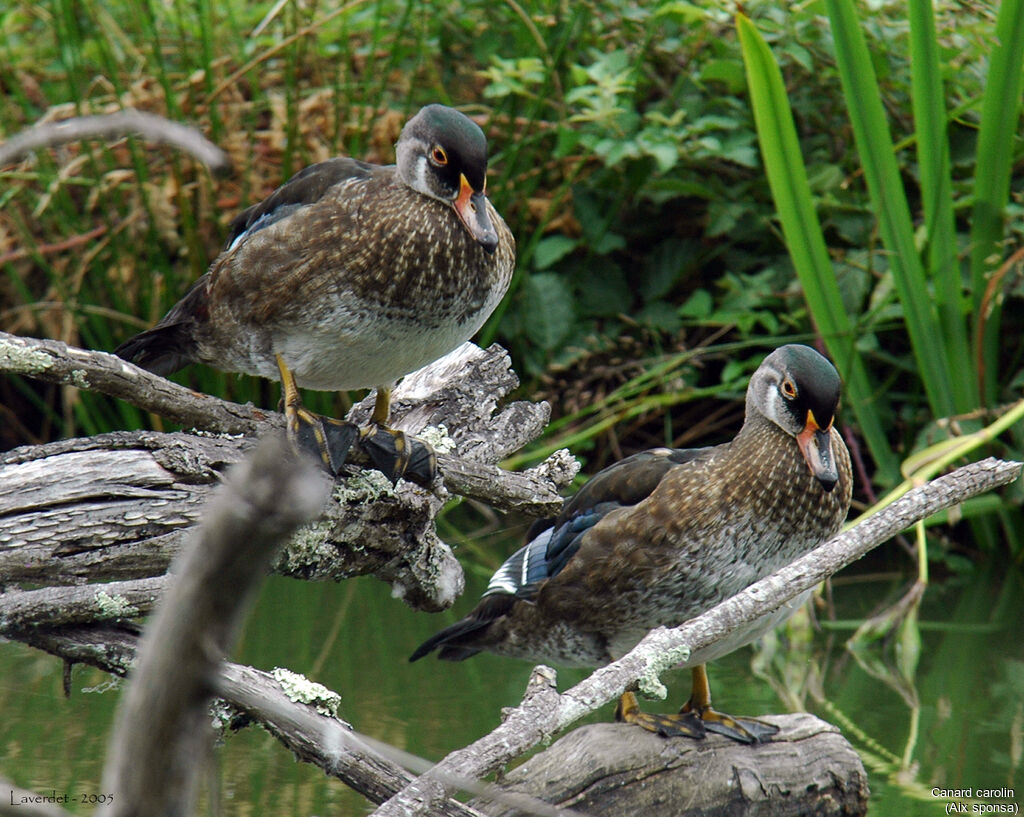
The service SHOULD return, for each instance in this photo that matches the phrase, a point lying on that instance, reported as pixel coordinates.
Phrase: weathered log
(118, 506)
(611, 769)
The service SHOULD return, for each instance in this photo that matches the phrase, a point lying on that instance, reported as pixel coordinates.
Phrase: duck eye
(439, 156)
(788, 389)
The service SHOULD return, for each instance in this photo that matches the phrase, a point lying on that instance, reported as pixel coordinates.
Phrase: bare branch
(85, 604)
(545, 712)
(151, 127)
(460, 392)
(55, 362)
(162, 725)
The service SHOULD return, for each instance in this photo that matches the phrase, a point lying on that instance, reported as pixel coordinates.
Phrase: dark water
(957, 722)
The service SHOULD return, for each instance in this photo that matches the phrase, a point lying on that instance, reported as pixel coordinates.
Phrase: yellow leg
(324, 437)
(745, 730)
(381, 407)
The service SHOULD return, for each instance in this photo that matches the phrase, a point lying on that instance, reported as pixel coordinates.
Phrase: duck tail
(162, 350)
(171, 344)
(466, 638)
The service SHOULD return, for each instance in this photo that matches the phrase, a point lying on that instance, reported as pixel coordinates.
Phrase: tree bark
(118, 506)
(611, 769)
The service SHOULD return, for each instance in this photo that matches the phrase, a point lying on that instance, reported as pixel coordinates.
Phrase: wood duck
(666, 534)
(349, 276)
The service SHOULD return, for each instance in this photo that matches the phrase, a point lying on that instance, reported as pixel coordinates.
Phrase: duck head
(798, 390)
(442, 153)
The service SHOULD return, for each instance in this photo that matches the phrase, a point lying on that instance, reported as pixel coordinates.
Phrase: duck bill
(816, 445)
(472, 209)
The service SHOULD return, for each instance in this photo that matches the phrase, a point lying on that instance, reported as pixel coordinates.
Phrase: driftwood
(118, 506)
(176, 468)
(611, 769)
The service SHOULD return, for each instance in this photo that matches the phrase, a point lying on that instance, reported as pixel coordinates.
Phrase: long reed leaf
(1000, 114)
(885, 187)
(930, 122)
(787, 177)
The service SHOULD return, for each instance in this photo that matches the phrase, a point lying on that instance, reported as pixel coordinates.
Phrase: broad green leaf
(1000, 118)
(885, 187)
(548, 309)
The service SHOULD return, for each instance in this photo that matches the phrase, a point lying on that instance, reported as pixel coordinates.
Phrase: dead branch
(118, 506)
(544, 712)
(460, 392)
(151, 127)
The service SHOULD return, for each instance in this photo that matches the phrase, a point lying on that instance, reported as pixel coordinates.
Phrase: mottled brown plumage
(350, 275)
(663, 536)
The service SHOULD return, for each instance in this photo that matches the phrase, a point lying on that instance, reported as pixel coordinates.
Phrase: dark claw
(743, 730)
(326, 439)
(398, 456)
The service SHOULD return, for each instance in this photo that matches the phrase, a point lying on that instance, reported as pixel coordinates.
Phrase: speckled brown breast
(371, 256)
(710, 529)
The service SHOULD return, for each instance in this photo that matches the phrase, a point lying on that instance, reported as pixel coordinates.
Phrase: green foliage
(929, 286)
(658, 258)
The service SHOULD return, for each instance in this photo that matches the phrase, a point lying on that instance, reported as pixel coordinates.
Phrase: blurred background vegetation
(652, 273)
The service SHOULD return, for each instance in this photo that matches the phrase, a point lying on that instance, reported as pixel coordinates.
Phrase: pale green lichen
(365, 486)
(649, 684)
(215, 435)
(221, 715)
(110, 685)
(437, 438)
(308, 549)
(114, 606)
(301, 690)
(78, 379)
(20, 359)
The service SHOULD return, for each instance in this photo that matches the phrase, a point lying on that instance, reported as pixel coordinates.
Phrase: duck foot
(391, 452)
(743, 730)
(688, 725)
(397, 455)
(326, 439)
(693, 721)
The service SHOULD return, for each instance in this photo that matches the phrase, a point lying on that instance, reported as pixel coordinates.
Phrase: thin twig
(152, 127)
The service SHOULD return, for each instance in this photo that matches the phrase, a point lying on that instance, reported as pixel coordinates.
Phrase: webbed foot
(397, 455)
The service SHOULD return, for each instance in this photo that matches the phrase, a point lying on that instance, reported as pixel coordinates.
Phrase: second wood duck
(665, 535)
(349, 276)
